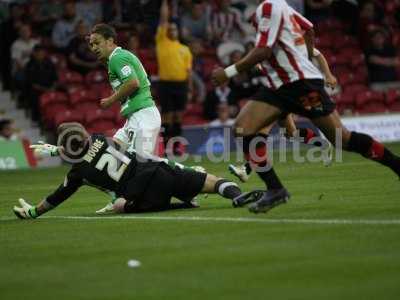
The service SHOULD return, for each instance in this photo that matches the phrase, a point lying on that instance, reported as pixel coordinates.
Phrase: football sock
(307, 134)
(372, 149)
(258, 157)
(227, 189)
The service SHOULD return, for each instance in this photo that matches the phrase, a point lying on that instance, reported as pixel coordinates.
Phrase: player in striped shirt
(295, 85)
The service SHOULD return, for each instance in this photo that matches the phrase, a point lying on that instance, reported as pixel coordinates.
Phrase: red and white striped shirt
(281, 28)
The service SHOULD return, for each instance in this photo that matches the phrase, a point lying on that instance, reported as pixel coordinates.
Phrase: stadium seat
(68, 116)
(94, 116)
(78, 96)
(103, 90)
(367, 97)
(59, 61)
(68, 77)
(95, 76)
(323, 41)
(48, 98)
(392, 97)
(101, 126)
(50, 111)
(394, 107)
(354, 89)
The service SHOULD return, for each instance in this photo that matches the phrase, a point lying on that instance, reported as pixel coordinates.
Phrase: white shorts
(141, 130)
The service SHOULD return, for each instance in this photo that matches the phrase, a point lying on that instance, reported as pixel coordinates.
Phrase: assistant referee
(175, 70)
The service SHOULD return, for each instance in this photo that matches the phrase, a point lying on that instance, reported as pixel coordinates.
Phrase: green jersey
(123, 66)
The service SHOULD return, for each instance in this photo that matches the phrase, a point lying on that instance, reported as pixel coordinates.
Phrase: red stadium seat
(354, 89)
(50, 111)
(394, 107)
(82, 95)
(67, 77)
(367, 97)
(101, 126)
(95, 76)
(392, 97)
(97, 115)
(48, 98)
(68, 116)
(59, 61)
(323, 41)
(103, 90)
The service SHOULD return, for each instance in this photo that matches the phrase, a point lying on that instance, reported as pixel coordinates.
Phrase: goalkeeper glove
(42, 150)
(26, 211)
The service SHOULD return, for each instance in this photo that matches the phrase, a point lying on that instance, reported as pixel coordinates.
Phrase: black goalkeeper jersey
(108, 169)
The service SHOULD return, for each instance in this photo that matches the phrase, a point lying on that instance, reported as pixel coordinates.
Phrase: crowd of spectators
(31, 30)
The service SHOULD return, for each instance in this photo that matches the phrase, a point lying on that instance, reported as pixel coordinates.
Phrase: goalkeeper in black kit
(140, 184)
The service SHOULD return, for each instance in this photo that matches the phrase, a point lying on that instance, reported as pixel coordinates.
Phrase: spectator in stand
(175, 72)
(134, 43)
(223, 117)
(199, 87)
(318, 10)
(7, 131)
(226, 22)
(219, 95)
(196, 25)
(9, 33)
(371, 18)
(382, 61)
(64, 29)
(41, 76)
(90, 11)
(21, 51)
(45, 14)
(81, 58)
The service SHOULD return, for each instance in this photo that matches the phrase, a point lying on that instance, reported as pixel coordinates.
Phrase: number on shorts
(112, 159)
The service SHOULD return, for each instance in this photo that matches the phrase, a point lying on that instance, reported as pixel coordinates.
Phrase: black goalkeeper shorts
(305, 97)
(167, 182)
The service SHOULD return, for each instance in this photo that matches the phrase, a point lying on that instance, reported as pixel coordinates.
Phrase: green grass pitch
(301, 250)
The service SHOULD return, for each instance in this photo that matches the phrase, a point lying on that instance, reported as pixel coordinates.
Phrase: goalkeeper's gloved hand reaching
(42, 149)
(25, 211)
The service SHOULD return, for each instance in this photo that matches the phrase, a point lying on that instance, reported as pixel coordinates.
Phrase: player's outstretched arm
(255, 56)
(330, 79)
(41, 149)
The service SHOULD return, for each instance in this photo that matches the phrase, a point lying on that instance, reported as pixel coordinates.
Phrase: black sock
(264, 171)
(307, 135)
(269, 176)
(371, 149)
(227, 189)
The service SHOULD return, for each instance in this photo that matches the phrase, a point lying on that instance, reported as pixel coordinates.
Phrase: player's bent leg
(254, 116)
(361, 143)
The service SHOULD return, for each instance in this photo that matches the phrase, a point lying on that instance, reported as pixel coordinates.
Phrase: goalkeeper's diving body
(141, 184)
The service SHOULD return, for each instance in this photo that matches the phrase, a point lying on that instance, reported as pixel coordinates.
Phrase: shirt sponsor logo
(126, 70)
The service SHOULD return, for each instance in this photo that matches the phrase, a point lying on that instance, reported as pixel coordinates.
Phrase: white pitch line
(229, 220)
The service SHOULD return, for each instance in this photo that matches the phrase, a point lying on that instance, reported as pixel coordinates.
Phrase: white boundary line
(227, 220)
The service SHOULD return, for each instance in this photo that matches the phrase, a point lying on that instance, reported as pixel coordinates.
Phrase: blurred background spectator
(223, 116)
(382, 62)
(65, 28)
(41, 76)
(21, 51)
(7, 131)
(196, 24)
(80, 57)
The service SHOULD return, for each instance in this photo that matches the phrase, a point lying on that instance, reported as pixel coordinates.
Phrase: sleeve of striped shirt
(270, 18)
(304, 23)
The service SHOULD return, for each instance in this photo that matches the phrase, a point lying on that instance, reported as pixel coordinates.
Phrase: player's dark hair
(105, 31)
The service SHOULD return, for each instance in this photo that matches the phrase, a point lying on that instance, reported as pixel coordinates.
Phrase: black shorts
(167, 182)
(305, 97)
(172, 95)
